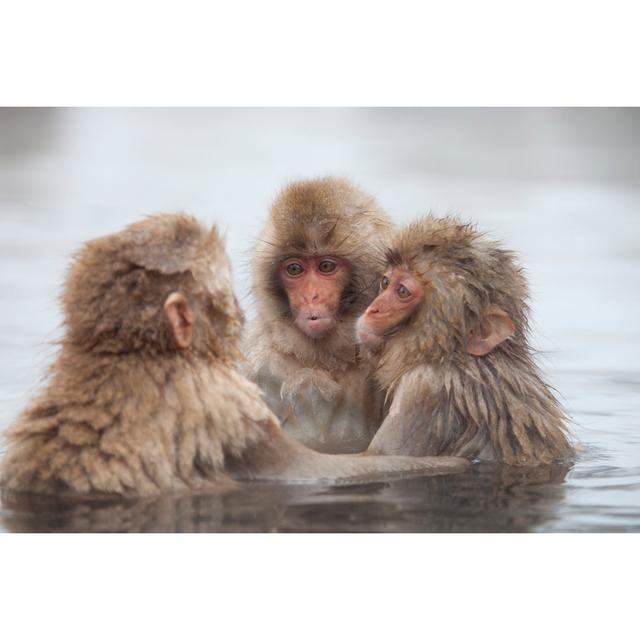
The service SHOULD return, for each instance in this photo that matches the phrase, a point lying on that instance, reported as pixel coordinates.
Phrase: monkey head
(318, 257)
(162, 286)
(446, 292)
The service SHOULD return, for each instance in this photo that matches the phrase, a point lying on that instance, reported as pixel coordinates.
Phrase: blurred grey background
(560, 186)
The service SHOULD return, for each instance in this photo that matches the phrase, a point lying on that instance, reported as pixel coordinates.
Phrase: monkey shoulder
(417, 385)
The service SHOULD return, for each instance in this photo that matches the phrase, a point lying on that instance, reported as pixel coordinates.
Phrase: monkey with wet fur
(315, 269)
(145, 396)
(449, 334)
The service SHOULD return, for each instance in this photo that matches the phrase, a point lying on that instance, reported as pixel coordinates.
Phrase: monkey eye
(327, 266)
(384, 283)
(403, 292)
(294, 269)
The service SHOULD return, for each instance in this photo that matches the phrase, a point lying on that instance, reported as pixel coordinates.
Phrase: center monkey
(314, 271)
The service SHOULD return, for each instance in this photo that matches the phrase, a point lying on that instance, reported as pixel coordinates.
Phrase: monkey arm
(404, 434)
(416, 424)
(282, 458)
(272, 454)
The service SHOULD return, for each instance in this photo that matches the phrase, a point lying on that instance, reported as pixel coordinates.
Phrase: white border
(334, 52)
(306, 586)
(320, 53)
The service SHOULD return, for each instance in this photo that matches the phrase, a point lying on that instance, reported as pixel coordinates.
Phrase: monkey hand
(309, 379)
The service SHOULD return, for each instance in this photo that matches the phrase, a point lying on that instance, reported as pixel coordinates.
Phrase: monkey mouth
(315, 326)
(318, 319)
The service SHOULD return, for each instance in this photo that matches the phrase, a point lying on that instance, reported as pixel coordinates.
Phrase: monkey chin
(315, 327)
(367, 336)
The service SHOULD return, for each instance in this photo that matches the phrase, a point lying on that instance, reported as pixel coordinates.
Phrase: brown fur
(445, 400)
(327, 216)
(128, 412)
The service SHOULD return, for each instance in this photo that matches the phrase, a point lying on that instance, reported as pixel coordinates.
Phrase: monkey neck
(334, 353)
(120, 380)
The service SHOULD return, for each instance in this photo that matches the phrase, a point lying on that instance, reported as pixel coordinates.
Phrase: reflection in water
(488, 498)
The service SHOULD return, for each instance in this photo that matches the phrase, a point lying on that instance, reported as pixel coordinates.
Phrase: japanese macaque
(449, 333)
(145, 397)
(315, 269)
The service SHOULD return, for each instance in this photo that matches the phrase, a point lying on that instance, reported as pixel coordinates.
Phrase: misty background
(559, 186)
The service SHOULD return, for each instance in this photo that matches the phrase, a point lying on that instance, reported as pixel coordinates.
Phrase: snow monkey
(145, 397)
(449, 333)
(315, 270)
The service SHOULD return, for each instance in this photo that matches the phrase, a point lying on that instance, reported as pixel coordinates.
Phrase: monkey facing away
(144, 396)
(315, 269)
(449, 333)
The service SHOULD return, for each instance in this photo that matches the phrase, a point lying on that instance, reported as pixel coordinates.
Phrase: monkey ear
(180, 317)
(495, 327)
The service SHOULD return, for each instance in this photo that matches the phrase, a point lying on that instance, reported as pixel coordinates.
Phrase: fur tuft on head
(327, 216)
(465, 274)
(117, 286)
